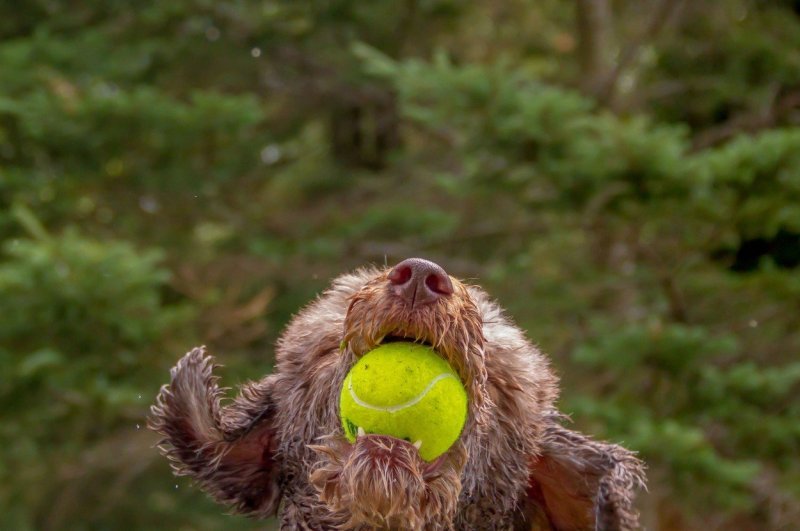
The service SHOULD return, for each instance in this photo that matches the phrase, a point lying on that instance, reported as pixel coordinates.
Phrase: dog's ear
(228, 451)
(579, 484)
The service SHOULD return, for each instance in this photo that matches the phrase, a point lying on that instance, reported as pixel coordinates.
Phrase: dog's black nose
(420, 281)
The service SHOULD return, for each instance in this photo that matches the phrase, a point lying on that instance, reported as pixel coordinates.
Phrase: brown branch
(662, 14)
(404, 26)
(593, 19)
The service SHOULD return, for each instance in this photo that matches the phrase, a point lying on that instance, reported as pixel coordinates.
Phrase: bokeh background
(623, 175)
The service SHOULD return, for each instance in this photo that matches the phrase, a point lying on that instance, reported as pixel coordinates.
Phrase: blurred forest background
(623, 175)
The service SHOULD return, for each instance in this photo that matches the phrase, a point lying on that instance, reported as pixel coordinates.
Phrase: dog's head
(417, 301)
(380, 480)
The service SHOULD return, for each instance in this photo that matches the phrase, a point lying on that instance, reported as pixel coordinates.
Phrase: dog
(279, 447)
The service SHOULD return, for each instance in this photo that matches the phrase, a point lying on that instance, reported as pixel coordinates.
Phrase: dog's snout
(419, 281)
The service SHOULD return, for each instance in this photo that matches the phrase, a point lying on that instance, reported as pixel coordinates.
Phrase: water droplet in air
(753, 323)
(270, 154)
(137, 426)
(149, 204)
(255, 52)
(176, 486)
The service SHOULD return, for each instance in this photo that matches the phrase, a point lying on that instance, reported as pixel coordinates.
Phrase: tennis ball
(407, 391)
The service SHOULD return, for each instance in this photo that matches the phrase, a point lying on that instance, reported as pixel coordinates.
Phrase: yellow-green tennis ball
(407, 391)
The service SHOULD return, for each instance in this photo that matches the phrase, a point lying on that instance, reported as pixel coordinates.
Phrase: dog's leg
(229, 452)
(581, 484)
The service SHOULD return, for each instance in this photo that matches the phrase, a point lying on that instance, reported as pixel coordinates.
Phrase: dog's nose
(420, 281)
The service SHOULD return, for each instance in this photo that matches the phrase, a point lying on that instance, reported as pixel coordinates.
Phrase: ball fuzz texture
(407, 391)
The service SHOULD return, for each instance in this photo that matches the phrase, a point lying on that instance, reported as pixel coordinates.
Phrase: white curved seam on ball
(392, 409)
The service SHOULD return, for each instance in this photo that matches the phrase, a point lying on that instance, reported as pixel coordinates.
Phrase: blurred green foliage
(179, 173)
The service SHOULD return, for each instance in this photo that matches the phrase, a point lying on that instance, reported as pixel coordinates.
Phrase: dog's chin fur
(381, 482)
(514, 465)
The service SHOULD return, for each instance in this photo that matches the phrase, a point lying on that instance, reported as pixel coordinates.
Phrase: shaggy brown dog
(279, 446)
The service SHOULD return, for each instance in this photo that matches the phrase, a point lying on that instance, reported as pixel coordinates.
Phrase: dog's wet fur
(279, 446)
